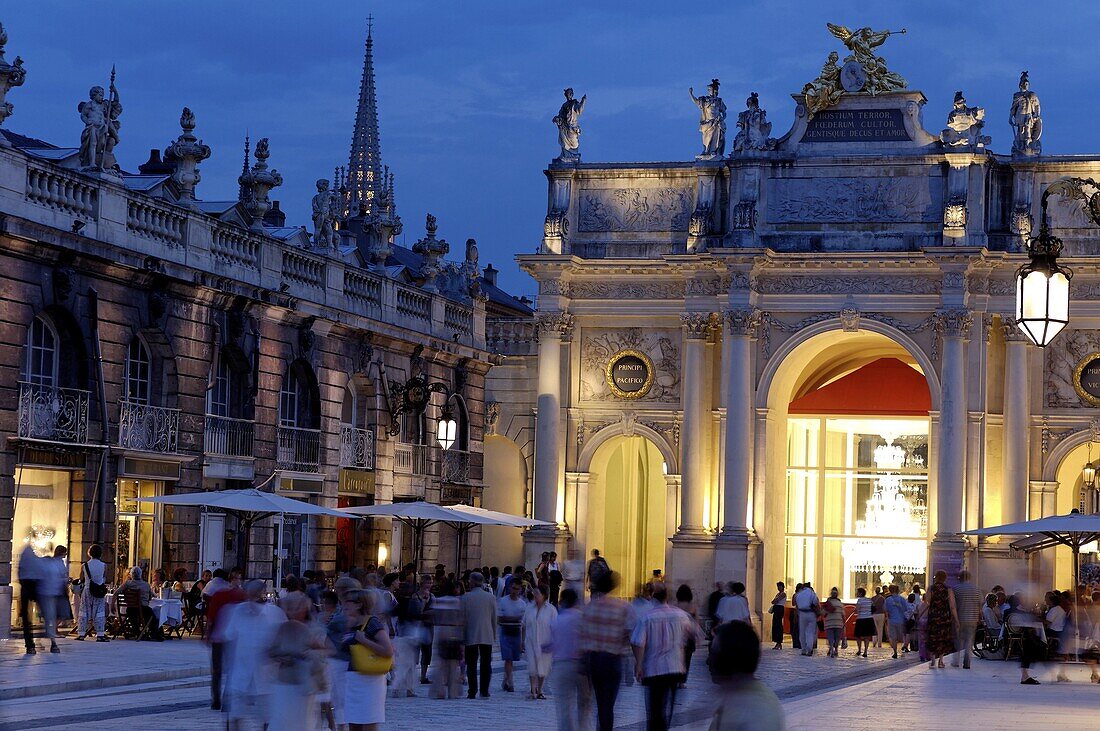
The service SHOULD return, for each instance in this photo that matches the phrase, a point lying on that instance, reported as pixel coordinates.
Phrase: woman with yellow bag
(368, 642)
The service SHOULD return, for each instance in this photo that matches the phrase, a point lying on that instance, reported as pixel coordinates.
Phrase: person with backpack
(93, 597)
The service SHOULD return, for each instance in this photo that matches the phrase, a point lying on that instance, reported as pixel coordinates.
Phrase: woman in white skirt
(537, 620)
(365, 695)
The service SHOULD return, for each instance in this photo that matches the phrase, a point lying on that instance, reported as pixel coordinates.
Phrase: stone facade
(156, 342)
(856, 234)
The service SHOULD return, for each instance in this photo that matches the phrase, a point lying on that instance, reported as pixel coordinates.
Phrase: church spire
(364, 175)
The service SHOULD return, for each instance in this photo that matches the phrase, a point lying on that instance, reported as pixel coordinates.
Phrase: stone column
(695, 437)
(1017, 414)
(551, 327)
(741, 326)
(947, 546)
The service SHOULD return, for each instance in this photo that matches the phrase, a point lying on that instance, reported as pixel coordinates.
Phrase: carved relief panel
(635, 210)
(599, 346)
(854, 200)
(1062, 357)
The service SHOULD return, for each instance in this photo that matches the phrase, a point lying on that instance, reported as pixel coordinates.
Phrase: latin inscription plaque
(1086, 378)
(857, 125)
(629, 374)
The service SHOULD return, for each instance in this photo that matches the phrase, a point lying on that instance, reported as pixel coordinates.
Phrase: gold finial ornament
(861, 72)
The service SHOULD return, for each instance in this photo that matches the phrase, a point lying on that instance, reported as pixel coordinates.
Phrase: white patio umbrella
(250, 505)
(1074, 530)
(421, 515)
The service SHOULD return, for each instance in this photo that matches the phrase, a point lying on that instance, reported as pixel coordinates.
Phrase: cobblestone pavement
(164, 685)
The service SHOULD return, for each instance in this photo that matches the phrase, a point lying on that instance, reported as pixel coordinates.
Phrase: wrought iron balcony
(298, 450)
(456, 467)
(356, 447)
(53, 414)
(227, 437)
(411, 459)
(148, 428)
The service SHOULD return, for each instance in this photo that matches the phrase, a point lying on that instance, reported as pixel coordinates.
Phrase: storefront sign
(857, 125)
(1086, 378)
(355, 483)
(629, 374)
(300, 484)
(55, 458)
(451, 494)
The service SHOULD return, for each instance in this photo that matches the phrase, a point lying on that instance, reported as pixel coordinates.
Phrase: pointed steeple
(364, 175)
(244, 193)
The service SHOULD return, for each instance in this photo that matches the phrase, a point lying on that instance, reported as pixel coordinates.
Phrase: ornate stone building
(156, 342)
(800, 361)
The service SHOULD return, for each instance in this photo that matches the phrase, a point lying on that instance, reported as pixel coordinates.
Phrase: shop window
(137, 528)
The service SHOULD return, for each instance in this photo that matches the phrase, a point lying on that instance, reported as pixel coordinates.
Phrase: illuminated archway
(847, 486)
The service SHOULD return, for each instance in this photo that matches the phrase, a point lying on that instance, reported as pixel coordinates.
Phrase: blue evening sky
(466, 89)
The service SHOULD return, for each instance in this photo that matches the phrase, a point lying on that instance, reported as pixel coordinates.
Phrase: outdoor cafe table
(168, 611)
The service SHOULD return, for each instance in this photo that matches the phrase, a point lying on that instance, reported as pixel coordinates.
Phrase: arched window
(347, 410)
(226, 396)
(138, 369)
(462, 419)
(41, 364)
(288, 400)
(299, 398)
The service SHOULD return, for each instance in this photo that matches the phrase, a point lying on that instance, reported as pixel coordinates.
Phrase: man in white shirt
(734, 607)
(806, 602)
(93, 609)
(658, 640)
(249, 631)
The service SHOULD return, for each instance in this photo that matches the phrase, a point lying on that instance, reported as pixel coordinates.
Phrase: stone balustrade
(115, 218)
(511, 336)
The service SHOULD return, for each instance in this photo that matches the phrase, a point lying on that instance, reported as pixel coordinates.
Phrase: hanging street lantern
(1042, 285)
(448, 428)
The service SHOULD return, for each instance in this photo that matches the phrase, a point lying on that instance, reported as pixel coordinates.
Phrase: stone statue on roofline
(753, 128)
(712, 121)
(325, 205)
(100, 115)
(11, 76)
(964, 126)
(1024, 116)
(824, 91)
(569, 131)
(862, 72)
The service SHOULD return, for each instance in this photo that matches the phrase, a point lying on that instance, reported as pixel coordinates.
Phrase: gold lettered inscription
(629, 374)
(1086, 378)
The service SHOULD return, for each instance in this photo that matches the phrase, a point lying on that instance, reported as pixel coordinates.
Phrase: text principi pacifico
(629, 374)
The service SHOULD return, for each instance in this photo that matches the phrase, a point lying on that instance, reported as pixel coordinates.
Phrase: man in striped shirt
(968, 604)
(658, 640)
(604, 639)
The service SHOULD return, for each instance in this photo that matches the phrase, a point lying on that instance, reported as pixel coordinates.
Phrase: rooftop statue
(569, 132)
(964, 125)
(1025, 119)
(753, 127)
(100, 116)
(11, 75)
(712, 122)
(861, 72)
(325, 206)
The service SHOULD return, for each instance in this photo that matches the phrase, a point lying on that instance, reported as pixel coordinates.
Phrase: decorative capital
(954, 323)
(554, 325)
(1011, 330)
(744, 322)
(697, 325)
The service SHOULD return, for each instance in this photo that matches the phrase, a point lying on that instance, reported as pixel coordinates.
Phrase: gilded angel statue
(862, 41)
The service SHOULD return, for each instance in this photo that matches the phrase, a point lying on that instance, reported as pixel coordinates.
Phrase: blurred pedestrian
(420, 610)
(93, 597)
(745, 703)
(510, 610)
(448, 636)
(250, 628)
(538, 619)
(685, 601)
(792, 620)
(968, 604)
(298, 672)
(878, 614)
(897, 614)
(808, 608)
(219, 606)
(605, 638)
(365, 693)
(734, 607)
(53, 593)
(597, 566)
(572, 689)
(479, 611)
(778, 610)
(943, 620)
(573, 573)
(30, 572)
(865, 623)
(658, 641)
(833, 610)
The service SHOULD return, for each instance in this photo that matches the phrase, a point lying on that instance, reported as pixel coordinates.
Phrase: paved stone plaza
(147, 686)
